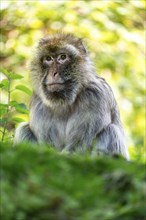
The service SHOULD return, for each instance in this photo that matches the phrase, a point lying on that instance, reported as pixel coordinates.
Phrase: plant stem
(8, 108)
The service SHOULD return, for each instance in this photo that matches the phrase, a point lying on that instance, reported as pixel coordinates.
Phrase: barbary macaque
(72, 108)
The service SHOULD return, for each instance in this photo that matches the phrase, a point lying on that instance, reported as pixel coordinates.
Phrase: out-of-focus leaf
(4, 84)
(3, 120)
(21, 108)
(5, 72)
(10, 75)
(3, 111)
(16, 119)
(15, 76)
(3, 105)
(24, 89)
(13, 103)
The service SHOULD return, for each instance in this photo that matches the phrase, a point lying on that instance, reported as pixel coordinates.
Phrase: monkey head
(58, 68)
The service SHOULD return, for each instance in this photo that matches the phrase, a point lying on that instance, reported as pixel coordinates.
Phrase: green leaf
(4, 84)
(24, 89)
(3, 121)
(16, 119)
(3, 109)
(3, 105)
(10, 75)
(15, 76)
(5, 72)
(13, 103)
(22, 108)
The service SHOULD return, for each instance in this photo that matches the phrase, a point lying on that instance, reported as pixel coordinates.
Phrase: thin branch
(8, 108)
(1, 131)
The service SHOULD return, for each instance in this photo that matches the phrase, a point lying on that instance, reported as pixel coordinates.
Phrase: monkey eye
(48, 58)
(62, 57)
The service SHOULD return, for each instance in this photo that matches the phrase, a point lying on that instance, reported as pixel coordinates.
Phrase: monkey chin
(54, 94)
(57, 97)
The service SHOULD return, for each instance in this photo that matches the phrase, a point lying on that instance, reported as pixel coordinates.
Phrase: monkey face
(59, 63)
(55, 66)
(59, 77)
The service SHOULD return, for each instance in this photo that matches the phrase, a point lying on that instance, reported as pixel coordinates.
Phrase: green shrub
(38, 183)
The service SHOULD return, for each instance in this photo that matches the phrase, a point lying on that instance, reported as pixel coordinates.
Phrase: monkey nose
(55, 73)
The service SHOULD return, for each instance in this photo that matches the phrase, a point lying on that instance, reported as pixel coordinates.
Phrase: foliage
(37, 183)
(11, 107)
(114, 34)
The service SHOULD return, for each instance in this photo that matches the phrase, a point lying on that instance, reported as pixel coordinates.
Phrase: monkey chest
(61, 132)
(52, 133)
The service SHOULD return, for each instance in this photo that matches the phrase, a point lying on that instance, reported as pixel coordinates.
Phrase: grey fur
(84, 113)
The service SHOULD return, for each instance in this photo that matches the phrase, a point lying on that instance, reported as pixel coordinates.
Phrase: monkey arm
(83, 128)
(97, 125)
(23, 133)
(112, 141)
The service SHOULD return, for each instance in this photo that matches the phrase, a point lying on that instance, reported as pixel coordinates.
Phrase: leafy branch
(9, 108)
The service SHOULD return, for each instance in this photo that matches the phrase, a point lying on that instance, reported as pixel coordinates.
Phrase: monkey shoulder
(98, 93)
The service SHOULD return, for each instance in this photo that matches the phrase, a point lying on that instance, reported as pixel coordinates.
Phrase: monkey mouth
(56, 83)
(52, 87)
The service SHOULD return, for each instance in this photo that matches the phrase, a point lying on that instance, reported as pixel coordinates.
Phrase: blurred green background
(114, 34)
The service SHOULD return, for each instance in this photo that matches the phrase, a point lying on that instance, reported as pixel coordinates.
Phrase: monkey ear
(81, 46)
